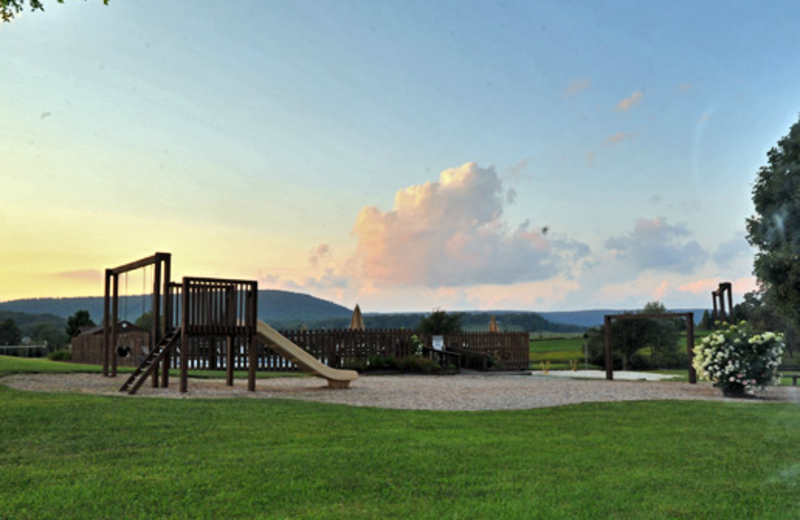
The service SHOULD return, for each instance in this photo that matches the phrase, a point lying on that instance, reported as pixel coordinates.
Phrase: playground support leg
(252, 350)
(609, 359)
(184, 360)
(106, 321)
(114, 326)
(165, 372)
(229, 361)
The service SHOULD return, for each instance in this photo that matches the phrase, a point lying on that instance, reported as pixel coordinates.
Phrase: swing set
(195, 309)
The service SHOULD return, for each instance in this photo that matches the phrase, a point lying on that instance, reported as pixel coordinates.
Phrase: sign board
(438, 342)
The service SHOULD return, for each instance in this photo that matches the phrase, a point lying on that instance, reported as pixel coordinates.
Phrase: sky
(402, 155)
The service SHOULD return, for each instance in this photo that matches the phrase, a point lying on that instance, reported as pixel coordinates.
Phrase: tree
(52, 334)
(630, 337)
(145, 321)
(10, 8)
(760, 311)
(440, 322)
(10, 334)
(774, 230)
(707, 322)
(78, 320)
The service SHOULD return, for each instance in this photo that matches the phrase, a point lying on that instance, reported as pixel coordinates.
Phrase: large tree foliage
(10, 333)
(78, 320)
(11, 8)
(774, 230)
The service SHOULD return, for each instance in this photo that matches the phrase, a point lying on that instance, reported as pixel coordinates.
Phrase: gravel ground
(462, 392)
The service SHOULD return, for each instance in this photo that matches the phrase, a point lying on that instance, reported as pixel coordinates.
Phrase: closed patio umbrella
(493, 325)
(357, 320)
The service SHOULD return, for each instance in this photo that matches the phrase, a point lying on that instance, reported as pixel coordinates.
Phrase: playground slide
(305, 361)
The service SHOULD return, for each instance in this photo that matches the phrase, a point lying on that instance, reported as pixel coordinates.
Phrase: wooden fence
(336, 348)
(88, 349)
(509, 350)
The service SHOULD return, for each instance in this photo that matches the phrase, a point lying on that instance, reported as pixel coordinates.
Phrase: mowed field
(88, 457)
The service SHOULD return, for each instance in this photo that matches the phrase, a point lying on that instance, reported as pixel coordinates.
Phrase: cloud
(517, 171)
(705, 285)
(577, 86)
(655, 244)
(589, 157)
(616, 138)
(451, 233)
(629, 102)
(728, 252)
(661, 291)
(321, 252)
(740, 286)
(84, 275)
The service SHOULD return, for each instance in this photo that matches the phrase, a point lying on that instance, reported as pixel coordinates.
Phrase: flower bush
(738, 361)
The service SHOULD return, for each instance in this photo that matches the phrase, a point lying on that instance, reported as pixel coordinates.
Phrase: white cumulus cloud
(452, 233)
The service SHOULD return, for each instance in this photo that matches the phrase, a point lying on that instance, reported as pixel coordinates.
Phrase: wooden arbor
(689, 337)
(719, 296)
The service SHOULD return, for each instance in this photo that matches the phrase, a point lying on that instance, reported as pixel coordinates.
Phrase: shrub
(359, 365)
(60, 355)
(418, 364)
(738, 361)
(381, 362)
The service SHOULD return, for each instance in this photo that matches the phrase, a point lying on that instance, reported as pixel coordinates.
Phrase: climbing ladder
(150, 363)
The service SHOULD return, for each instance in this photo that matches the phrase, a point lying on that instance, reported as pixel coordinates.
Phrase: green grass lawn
(16, 365)
(89, 457)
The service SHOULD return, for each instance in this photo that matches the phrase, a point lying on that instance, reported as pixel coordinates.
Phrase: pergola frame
(719, 296)
(688, 316)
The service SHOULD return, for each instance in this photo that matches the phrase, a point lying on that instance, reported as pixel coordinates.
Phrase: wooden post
(106, 323)
(114, 325)
(728, 287)
(714, 316)
(609, 358)
(690, 347)
(184, 338)
(229, 361)
(252, 349)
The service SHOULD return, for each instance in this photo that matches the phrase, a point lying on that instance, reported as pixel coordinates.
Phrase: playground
(213, 324)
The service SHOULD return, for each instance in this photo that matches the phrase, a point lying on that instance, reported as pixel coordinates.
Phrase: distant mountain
(273, 307)
(593, 318)
(471, 321)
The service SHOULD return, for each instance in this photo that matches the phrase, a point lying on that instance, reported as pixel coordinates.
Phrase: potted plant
(739, 361)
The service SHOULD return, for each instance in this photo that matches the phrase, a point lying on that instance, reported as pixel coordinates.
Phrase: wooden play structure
(209, 322)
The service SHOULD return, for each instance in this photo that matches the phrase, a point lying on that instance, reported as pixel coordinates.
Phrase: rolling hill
(273, 307)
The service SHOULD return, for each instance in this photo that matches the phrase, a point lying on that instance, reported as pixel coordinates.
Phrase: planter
(734, 391)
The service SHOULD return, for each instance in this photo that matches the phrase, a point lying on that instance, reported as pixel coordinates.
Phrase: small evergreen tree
(440, 322)
(76, 321)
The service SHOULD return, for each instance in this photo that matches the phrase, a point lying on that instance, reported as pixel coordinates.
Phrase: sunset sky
(400, 155)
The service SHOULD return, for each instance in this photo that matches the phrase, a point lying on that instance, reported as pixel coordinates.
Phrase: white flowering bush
(738, 361)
